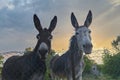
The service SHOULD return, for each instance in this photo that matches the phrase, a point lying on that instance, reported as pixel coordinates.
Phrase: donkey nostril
(87, 45)
(91, 45)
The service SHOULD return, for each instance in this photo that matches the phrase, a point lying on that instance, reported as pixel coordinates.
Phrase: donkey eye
(50, 37)
(38, 37)
(77, 33)
(89, 31)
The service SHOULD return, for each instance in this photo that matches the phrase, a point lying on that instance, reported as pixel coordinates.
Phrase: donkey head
(44, 37)
(82, 33)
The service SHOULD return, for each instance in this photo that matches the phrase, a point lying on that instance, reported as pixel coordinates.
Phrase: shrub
(1, 63)
(88, 65)
(111, 65)
(49, 57)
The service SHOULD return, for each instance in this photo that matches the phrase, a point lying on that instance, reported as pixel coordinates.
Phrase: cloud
(106, 26)
(16, 20)
(6, 4)
(110, 18)
(11, 39)
(115, 2)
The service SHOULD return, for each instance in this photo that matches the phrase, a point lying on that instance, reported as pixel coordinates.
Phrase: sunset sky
(17, 30)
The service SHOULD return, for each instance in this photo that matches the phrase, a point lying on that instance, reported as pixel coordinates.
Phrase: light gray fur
(61, 66)
(43, 46)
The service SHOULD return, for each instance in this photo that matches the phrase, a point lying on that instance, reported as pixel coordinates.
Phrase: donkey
(32, 65)
(80, 42)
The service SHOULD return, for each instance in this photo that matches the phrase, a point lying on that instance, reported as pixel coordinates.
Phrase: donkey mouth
(43, 54)
(88, 51)
(87, 48)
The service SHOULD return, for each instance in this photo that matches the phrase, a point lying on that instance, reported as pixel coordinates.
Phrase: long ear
(74, 21)
(53, 24)
(37, 23)
(88, 19)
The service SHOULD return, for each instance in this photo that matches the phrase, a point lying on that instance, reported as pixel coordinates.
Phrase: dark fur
(23, 67)
(32, 65)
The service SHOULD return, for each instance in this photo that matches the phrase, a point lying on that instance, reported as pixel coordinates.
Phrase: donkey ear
(74, 21)
(53, 24)
(37, 23)
(88, 19)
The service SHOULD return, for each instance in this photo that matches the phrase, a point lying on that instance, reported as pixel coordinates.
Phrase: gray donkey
(80, 42)
(32, 65)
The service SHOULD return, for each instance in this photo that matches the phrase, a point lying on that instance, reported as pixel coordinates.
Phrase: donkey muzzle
(87, 48)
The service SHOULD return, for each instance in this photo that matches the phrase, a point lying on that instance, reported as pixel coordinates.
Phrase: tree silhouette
(116, 43)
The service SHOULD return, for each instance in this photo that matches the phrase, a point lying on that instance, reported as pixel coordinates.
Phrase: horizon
(18, 31)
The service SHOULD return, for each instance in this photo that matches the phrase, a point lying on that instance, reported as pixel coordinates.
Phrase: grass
(91, 77)
(102, 77)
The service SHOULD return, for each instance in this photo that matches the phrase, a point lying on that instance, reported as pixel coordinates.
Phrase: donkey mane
(73, 44)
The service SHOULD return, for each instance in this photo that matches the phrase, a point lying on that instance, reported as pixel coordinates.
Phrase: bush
(102, 77)
(111, 65)
(49, 57)
(1, 63)
(88, 65)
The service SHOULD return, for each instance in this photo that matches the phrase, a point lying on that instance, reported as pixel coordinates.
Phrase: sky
(17, 30)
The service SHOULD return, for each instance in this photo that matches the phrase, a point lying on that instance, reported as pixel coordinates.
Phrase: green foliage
(1, 59)
(111, 65)
(1, 63)
(88, 65)
(112, 62)
(28, 50)
(106, 56)
(49, 57)
(102, 77)
(116, 43)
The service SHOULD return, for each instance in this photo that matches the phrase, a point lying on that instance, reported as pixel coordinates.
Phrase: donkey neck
(74, 49)
(36, 63)
(74, 45)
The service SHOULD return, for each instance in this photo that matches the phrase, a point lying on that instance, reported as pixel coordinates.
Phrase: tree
(112, 62)
(111, 65)
(116, 43)
(106, 56)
